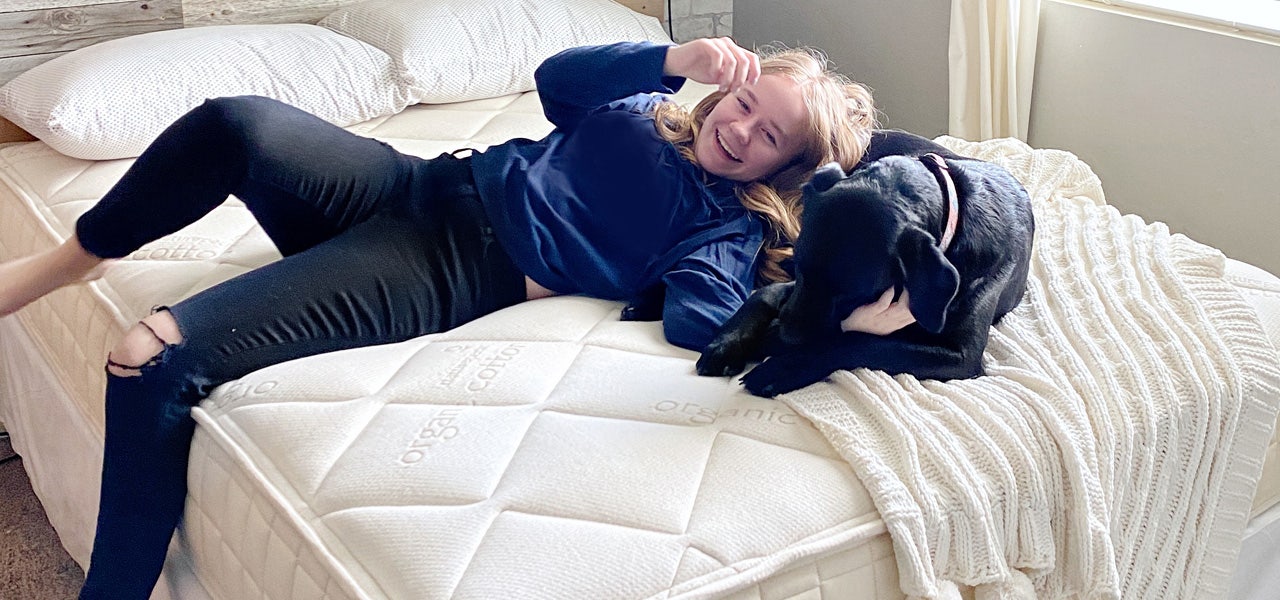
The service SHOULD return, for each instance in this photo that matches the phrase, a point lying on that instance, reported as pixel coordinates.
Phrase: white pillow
(455, 50)
(110, 100)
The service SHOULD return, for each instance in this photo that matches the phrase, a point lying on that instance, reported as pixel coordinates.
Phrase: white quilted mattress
(547, 451)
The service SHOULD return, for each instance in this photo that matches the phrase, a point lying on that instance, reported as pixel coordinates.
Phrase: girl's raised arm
(579, 80)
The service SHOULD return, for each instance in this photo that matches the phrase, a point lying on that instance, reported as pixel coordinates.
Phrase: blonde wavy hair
(841, 117)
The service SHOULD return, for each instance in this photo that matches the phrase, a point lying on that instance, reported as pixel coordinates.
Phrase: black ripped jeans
(378, 247)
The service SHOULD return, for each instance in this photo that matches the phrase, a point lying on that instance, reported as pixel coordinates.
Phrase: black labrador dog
(954, 232)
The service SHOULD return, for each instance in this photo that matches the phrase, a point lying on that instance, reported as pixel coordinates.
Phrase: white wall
(897, 48)
(1181, 125)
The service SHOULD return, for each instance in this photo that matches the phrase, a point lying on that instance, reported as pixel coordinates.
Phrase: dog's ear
(930, 278)
(826, 176)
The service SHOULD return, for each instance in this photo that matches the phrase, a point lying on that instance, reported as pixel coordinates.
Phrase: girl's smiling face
(755, 131)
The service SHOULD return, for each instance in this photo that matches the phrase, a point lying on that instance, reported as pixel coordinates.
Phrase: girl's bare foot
(24, 280)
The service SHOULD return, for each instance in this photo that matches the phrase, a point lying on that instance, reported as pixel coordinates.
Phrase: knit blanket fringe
(1115, 444)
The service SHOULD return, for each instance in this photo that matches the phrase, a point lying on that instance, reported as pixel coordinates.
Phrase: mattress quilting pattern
(578, 458)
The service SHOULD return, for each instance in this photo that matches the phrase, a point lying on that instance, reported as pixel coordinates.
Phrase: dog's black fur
(876, 228)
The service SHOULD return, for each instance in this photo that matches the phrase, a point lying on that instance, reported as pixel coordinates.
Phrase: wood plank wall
(30, 37)
(230, 12)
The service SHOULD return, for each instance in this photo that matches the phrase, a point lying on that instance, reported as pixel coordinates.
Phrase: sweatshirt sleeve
(703, 290)
(577, 81)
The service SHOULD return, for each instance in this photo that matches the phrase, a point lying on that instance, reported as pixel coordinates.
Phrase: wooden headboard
(34, 31)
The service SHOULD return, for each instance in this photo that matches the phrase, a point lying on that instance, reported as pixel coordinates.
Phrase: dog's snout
(826, 176)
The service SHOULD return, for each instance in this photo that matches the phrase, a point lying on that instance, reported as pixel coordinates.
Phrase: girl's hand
(882, 317)
(717, 61)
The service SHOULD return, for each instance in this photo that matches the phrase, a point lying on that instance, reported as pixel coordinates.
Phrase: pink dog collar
(943, 174)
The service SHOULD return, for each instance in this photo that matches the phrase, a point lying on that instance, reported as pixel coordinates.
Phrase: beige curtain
(992, 56)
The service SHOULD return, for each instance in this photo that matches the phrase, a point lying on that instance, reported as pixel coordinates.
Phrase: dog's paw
(722, 359)
(781, 374)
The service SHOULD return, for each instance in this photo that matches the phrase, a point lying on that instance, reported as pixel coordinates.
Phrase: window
(1252, 16)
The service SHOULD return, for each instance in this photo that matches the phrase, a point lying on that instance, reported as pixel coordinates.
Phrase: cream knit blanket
(1115, 445)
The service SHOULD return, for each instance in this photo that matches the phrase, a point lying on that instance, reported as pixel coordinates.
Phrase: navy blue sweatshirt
(603, 206)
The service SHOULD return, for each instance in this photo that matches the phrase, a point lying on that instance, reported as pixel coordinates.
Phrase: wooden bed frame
(35, 31)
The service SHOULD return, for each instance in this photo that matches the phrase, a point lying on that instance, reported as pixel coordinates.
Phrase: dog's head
(860, 235)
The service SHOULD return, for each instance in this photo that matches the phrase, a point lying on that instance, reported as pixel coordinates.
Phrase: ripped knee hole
(141, 347)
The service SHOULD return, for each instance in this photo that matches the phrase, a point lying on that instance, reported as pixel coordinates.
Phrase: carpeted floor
(33, 565)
